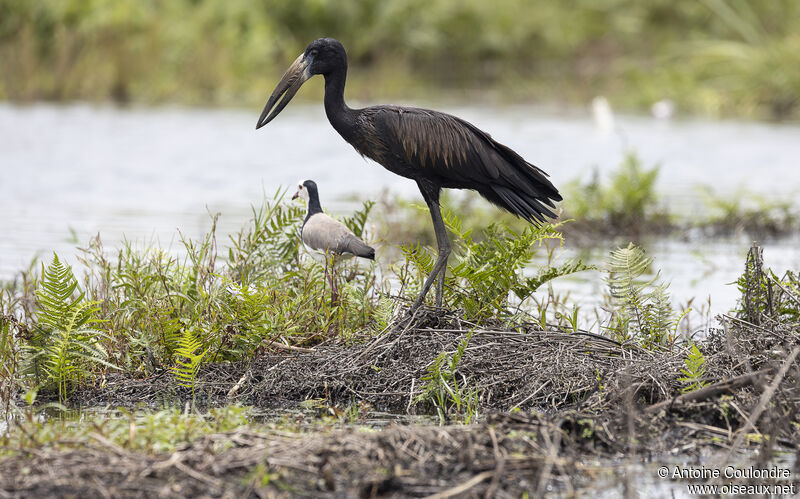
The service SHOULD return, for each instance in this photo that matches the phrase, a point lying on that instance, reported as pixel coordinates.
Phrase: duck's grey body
(325, 235)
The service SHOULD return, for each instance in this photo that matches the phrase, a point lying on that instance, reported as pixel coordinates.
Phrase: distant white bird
(663, 109)
(603, 115)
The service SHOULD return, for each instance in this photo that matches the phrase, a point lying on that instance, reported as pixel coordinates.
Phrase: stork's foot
(440, 286)
(421, 298)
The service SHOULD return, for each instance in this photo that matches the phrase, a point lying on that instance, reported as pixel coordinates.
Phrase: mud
(550, 403)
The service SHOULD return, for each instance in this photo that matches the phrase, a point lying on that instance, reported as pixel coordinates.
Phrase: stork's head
(322, 56)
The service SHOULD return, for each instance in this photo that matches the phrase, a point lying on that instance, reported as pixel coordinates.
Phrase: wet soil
(550, 403)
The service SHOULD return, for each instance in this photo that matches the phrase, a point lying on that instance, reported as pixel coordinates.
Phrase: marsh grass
(624, 205)
(149, 432)
(627, 203)
(747, 212)
(716, 56)
(143, 310)
(146, 310)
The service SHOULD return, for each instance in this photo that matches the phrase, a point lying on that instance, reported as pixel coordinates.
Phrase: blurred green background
(711, 57)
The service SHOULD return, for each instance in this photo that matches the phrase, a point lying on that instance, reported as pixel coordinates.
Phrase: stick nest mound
(549, 402)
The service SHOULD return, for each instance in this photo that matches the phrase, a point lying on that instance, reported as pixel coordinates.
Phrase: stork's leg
(431, 197)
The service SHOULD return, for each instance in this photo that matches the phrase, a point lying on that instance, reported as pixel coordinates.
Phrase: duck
(324, 235)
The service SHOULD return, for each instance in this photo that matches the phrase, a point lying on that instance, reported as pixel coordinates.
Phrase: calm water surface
(69, 172)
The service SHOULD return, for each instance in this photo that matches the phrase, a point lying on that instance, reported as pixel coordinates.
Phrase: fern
(270, 242)
(358, 220)
(55, 296)
(383, 313)
(442, 389)
(487, 274)
(484, 276)
(754, 287)
(694, 371)
(68, 346)
(187, 359)
(417, 264)
(64, 342)
(641, 309)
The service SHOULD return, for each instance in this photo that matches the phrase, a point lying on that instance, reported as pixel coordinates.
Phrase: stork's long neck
(342, 118)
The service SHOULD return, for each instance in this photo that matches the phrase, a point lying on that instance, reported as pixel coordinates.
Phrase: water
(69, 172)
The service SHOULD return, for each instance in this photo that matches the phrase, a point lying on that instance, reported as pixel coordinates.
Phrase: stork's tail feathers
(529, 207)
(525, 191)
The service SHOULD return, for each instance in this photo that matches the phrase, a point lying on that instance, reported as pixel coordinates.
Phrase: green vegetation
(628, 201)
(146, 431)
(486, 276)
(144, 311)
(187, 359)
(767, 298)
(63, 343)
(715, 56)
(626, 204)
(746, 211)
(641, 308)
(694, 371)
(443, 390)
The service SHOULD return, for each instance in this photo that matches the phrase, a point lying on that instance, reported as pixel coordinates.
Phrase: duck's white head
(302, 189)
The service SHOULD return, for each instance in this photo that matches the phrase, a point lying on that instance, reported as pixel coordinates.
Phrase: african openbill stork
(434, 149)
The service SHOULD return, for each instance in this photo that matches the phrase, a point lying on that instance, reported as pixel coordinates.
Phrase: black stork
(434, 149)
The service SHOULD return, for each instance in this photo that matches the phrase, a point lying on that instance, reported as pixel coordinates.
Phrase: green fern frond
(531, 284)
(383, 313)
(358, 220)
(418, 264)
(271, 241)
(55, 295)
(187, 360)
(641, 308)
(693, 371)
(64, 343)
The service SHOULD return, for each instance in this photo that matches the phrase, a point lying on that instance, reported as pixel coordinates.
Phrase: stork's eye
(312, 52)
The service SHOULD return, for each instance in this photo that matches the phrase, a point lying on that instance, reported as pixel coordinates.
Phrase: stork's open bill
(434, 149)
